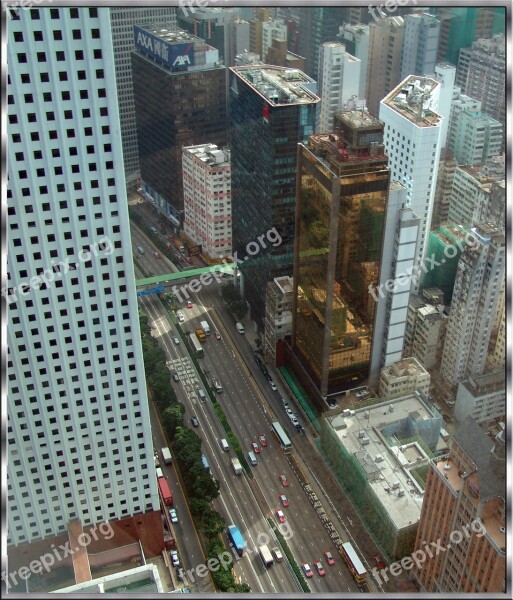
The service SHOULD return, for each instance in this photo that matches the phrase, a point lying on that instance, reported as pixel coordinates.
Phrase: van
(240, 327)
(252, 459)
(159, 473)
(224, 445)
(277, 554)
(140, 249)
(217, 386)
(153, 230)
(201, 395)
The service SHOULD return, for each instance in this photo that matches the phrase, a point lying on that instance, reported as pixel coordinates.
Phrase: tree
(212, 523)
(172, 417)
(240, 588)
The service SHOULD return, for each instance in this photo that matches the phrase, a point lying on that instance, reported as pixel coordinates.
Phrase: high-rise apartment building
(446, 168)
(482, 75)
(279, 55)
(278, 315)
(122, 22)
(474, 137)
(471, 189)
(316, 26)
(356, 40)
(339, 81)
(208, 199)
(420, 44)
(483, 397)
(412, 142)
(384, 63)
(272, 110)
(179, 91)
(474, 304)
(255, 29)
(464, 512)
(274, 29)
(79, 442)
(342, 196)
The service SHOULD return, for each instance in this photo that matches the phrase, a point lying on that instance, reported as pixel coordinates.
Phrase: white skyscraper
(412, 143)
(339, 81)
(207, 198)
(475, 303)
(123, 19)
(79, 442)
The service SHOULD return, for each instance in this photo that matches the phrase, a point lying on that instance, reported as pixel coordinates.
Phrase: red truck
(165, 492)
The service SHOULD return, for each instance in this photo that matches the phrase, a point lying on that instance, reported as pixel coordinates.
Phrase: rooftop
(406, 367)
(360, 119)
(333, 148)
(172, 36)
(413, 99)
(486, 383)
(279, 86)
(388, 467)
(210, 154)
(285, 284)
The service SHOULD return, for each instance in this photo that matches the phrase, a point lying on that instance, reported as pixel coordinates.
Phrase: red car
(156, 255)
(255, 447)
(284, 481)
(320, 568)
(283, 500)
(379, 562)
(329, 557)
(280, 516)
(218, 335)
(263, 441)
(189, 304)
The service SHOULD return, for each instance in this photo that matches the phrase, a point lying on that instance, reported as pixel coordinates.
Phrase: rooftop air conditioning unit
(379, 457)
(401, 493)
(365, 441)
(395, 485)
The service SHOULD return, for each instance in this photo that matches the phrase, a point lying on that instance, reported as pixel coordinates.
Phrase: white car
(273, 385)
(180, 316)
(174, 558)
(173, 515)
(176, 340)
(294, 421)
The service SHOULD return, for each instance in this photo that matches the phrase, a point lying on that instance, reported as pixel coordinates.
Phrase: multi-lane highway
(250, 405)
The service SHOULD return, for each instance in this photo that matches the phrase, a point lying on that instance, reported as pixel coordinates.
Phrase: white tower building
(339, 81)
(79, 443)
(412, 143)
(207, 197)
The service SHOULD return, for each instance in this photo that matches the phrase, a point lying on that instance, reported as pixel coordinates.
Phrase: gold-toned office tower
(342, 194)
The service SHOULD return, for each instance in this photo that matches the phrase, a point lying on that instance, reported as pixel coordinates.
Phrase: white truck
(166, 455)
(206, 327)
(237, 467)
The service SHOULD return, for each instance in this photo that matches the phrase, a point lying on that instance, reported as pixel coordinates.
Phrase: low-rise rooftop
(413, 99)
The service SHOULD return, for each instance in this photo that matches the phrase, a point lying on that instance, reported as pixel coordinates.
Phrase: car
(156, 255)
(329, 557)
(298, 427)
(258, 361)
(283, 500)
(176, 377)
(306, 569)
(277, 554)
(195, 422)
(290, 413)
(180, 573)
(263, 441)
(332, 405)
(174, 558)
(255, 447)
(319, 567)
(217, 386)
(273, 385)
(280, 516)
(283, 480)
(218, 335)
(176, 340)
(180, 316)
(285, 403)
(173, 515)
(378, 561)
(294, 421)
(189, 304)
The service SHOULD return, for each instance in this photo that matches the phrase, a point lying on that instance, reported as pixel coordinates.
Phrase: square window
(47, 96)
(81, 75)
(54, 13)
(77, 34)
(60, 55)
(57, 35)
(34, 14)
(45, 78)
(95, 34)
(79, 54)
(97, 53)
(22, 57)
(65, 95)
(41, 57)
(63, 76)
(18, 36)
(38, 36)
(25, 78)
(73, 13)
(84, 95)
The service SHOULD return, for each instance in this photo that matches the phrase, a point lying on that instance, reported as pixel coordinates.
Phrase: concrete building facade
(278, 315)
(420, 44)
(482, 397)
(404, 377)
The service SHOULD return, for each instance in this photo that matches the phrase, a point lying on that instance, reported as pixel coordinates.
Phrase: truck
(236, 539)
(166, 494)
(206, 327)
(204, 462)
(265, 555)
(200, 334)
(166, 455)
(237, 467)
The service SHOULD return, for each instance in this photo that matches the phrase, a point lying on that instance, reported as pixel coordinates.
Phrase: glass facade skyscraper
(272, 110)
(343, 182)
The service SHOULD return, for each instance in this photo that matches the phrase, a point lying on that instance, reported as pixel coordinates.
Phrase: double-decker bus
(353, 562)
(282, 437)
(196, 347)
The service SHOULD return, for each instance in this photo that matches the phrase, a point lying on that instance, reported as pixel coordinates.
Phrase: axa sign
(182, 60)
(144, 41)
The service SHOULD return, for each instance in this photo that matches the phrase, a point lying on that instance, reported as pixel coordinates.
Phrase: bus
(165, 492)
(266, 556)
(236, 539)
(353, 562)
(196, 347)
(282, 437)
